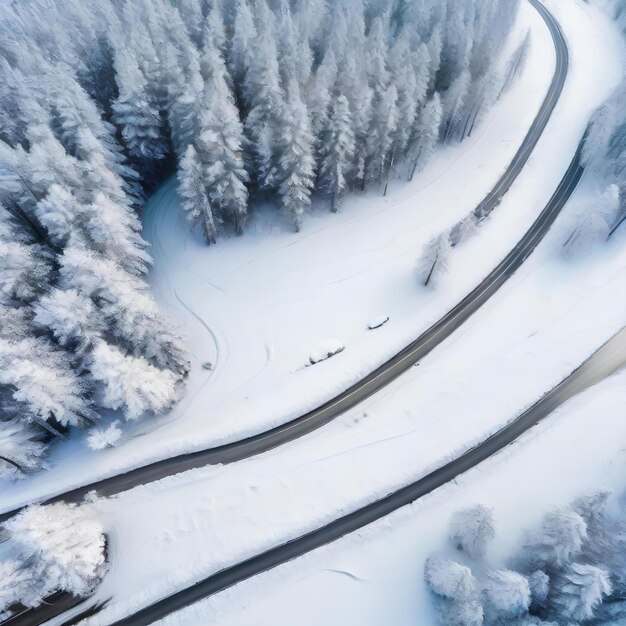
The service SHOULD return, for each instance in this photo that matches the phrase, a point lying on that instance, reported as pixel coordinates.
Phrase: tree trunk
(432, 269)
(391, 162)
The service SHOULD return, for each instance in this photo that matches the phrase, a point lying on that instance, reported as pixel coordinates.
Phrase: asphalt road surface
(607, 360)
(410, 355)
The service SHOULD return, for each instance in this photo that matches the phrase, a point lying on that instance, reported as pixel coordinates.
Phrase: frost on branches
(72, 261)
(261, 90)
(58, 547)
(100, 101)
(568, 570)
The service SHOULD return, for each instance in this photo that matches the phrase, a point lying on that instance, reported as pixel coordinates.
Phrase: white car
(325, 350)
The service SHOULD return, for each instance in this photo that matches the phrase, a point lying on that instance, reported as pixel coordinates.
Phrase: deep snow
(542, 323)
(166, 535)
(256, 306)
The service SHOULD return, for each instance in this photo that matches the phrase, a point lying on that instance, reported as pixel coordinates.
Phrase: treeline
(101, 99)
(604, 153)
(570, 569)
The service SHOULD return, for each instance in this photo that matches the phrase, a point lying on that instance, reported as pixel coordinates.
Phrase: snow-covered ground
(553, 314)
(535, 330)
(541, 325)
(256, 306)
(374, 577)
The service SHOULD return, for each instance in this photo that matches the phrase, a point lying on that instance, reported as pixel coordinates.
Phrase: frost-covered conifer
(555, 543)
(295, 162)
(220, 143)
(134, 113)
(194, 195)
(61, 546)
(506, 596)
(426, 135)
(336, 151)
(576, 592)
(472, 529)
(456, 592)
(130, 383)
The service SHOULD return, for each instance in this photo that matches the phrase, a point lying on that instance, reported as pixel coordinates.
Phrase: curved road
(419, 348)
(607, 360)
(604, 362)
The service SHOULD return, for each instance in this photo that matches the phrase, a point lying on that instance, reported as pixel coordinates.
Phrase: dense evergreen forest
(101, 100)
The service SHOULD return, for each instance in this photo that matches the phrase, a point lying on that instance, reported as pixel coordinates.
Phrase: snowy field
(169, 534)
(544, 322)
(540, 326)
(256, 307)
(374, 577)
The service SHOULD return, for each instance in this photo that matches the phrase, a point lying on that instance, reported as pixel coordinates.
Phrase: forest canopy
(102, 100)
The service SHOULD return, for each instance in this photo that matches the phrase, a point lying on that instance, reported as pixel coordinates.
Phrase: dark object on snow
(207, 366)
(377, 323)
(325, 353)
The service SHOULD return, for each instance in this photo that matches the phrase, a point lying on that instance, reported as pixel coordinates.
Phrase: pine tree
(507, 596)
(336, 151)
(130, 383)
(471, 530)
(425, 138)
(219, 143)
(138, 118)
(61, 547)
(576, 592)
(456, 592)
(296, 164)
(193, 193)
(434, 260)
(266, 110)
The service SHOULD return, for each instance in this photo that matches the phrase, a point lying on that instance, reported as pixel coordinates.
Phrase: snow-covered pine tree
(295, 161)
(434, 260)
(456, 593)
(472, 529)
(576, 592)
(554, 544)
(426, 135)
(219, 142)
(336, 151)
(138, 118)
(60, 546)
(194, 195)
(266, 108)
(130, 383)
(506, 596)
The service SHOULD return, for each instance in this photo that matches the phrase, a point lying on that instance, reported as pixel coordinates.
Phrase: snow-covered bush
(570, 569)
(472, 529)
(58, 547)
(456, 592)
(101, 438)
